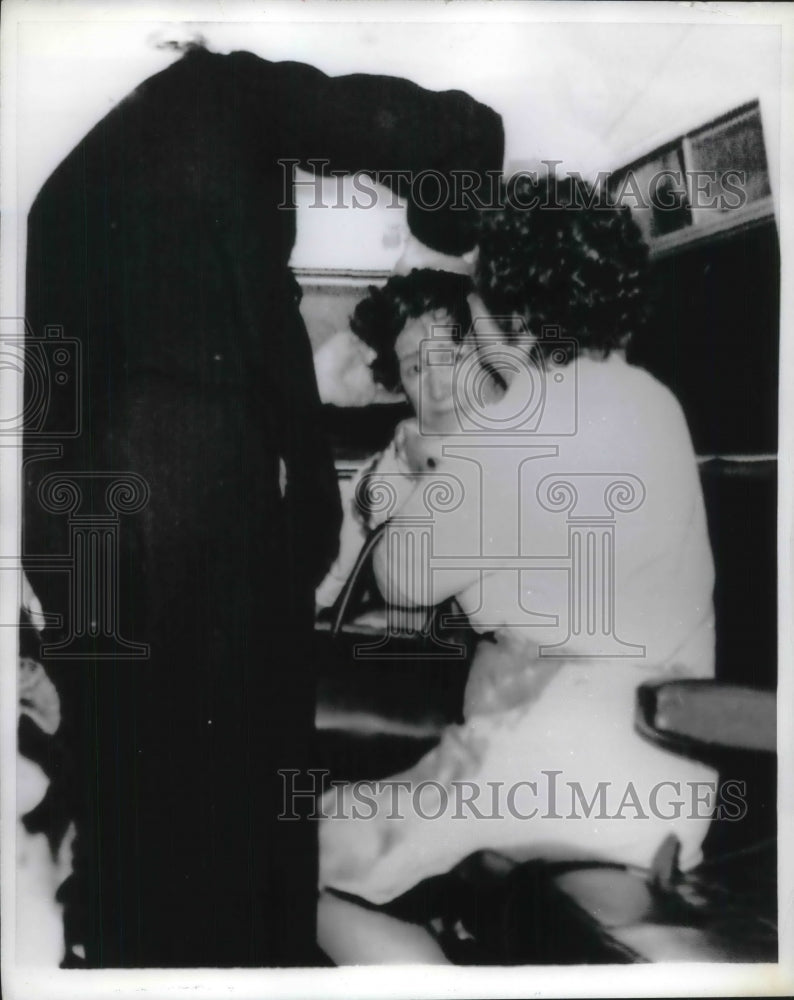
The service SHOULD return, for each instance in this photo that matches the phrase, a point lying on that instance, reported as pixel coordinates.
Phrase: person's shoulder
(620, 384)
(622, 402)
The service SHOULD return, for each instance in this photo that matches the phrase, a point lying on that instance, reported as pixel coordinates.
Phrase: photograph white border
(652, 980)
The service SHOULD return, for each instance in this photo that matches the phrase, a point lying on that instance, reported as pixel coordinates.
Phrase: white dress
(584, 546)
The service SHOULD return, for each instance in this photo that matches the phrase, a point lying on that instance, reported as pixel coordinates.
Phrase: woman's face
(427, 353)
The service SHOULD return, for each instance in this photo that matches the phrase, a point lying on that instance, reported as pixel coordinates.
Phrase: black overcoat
(160, 248)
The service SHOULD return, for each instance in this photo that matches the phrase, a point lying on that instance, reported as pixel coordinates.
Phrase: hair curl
(379, 318)
(557, 255)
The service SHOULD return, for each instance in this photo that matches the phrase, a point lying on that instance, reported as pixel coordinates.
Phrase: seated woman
(577, 541)
(394, 322)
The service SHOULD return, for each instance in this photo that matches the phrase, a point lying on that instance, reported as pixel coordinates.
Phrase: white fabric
(579, 733)
(626, 425)
(604, 421)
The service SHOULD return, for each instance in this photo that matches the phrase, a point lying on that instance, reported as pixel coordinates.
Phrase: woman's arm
(388, 469)
(351, 538)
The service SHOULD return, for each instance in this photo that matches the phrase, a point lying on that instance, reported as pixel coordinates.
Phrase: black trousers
(181, 857)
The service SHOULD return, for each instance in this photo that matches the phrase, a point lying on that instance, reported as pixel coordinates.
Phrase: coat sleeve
(442, 151)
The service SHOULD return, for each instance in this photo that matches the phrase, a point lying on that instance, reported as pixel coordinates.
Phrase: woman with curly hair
(394, 322)
(576, 542)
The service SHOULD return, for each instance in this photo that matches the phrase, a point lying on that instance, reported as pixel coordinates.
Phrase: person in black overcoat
(161, 246)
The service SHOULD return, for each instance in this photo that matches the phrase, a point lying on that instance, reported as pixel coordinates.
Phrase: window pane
(655, 190)
(734, 150)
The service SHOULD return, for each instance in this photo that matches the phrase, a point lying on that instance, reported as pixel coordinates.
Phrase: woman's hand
(420, 452)
(506, 355)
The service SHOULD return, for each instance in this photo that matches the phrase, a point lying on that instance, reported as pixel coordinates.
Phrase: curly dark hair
(380, 318)
(557, 254)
